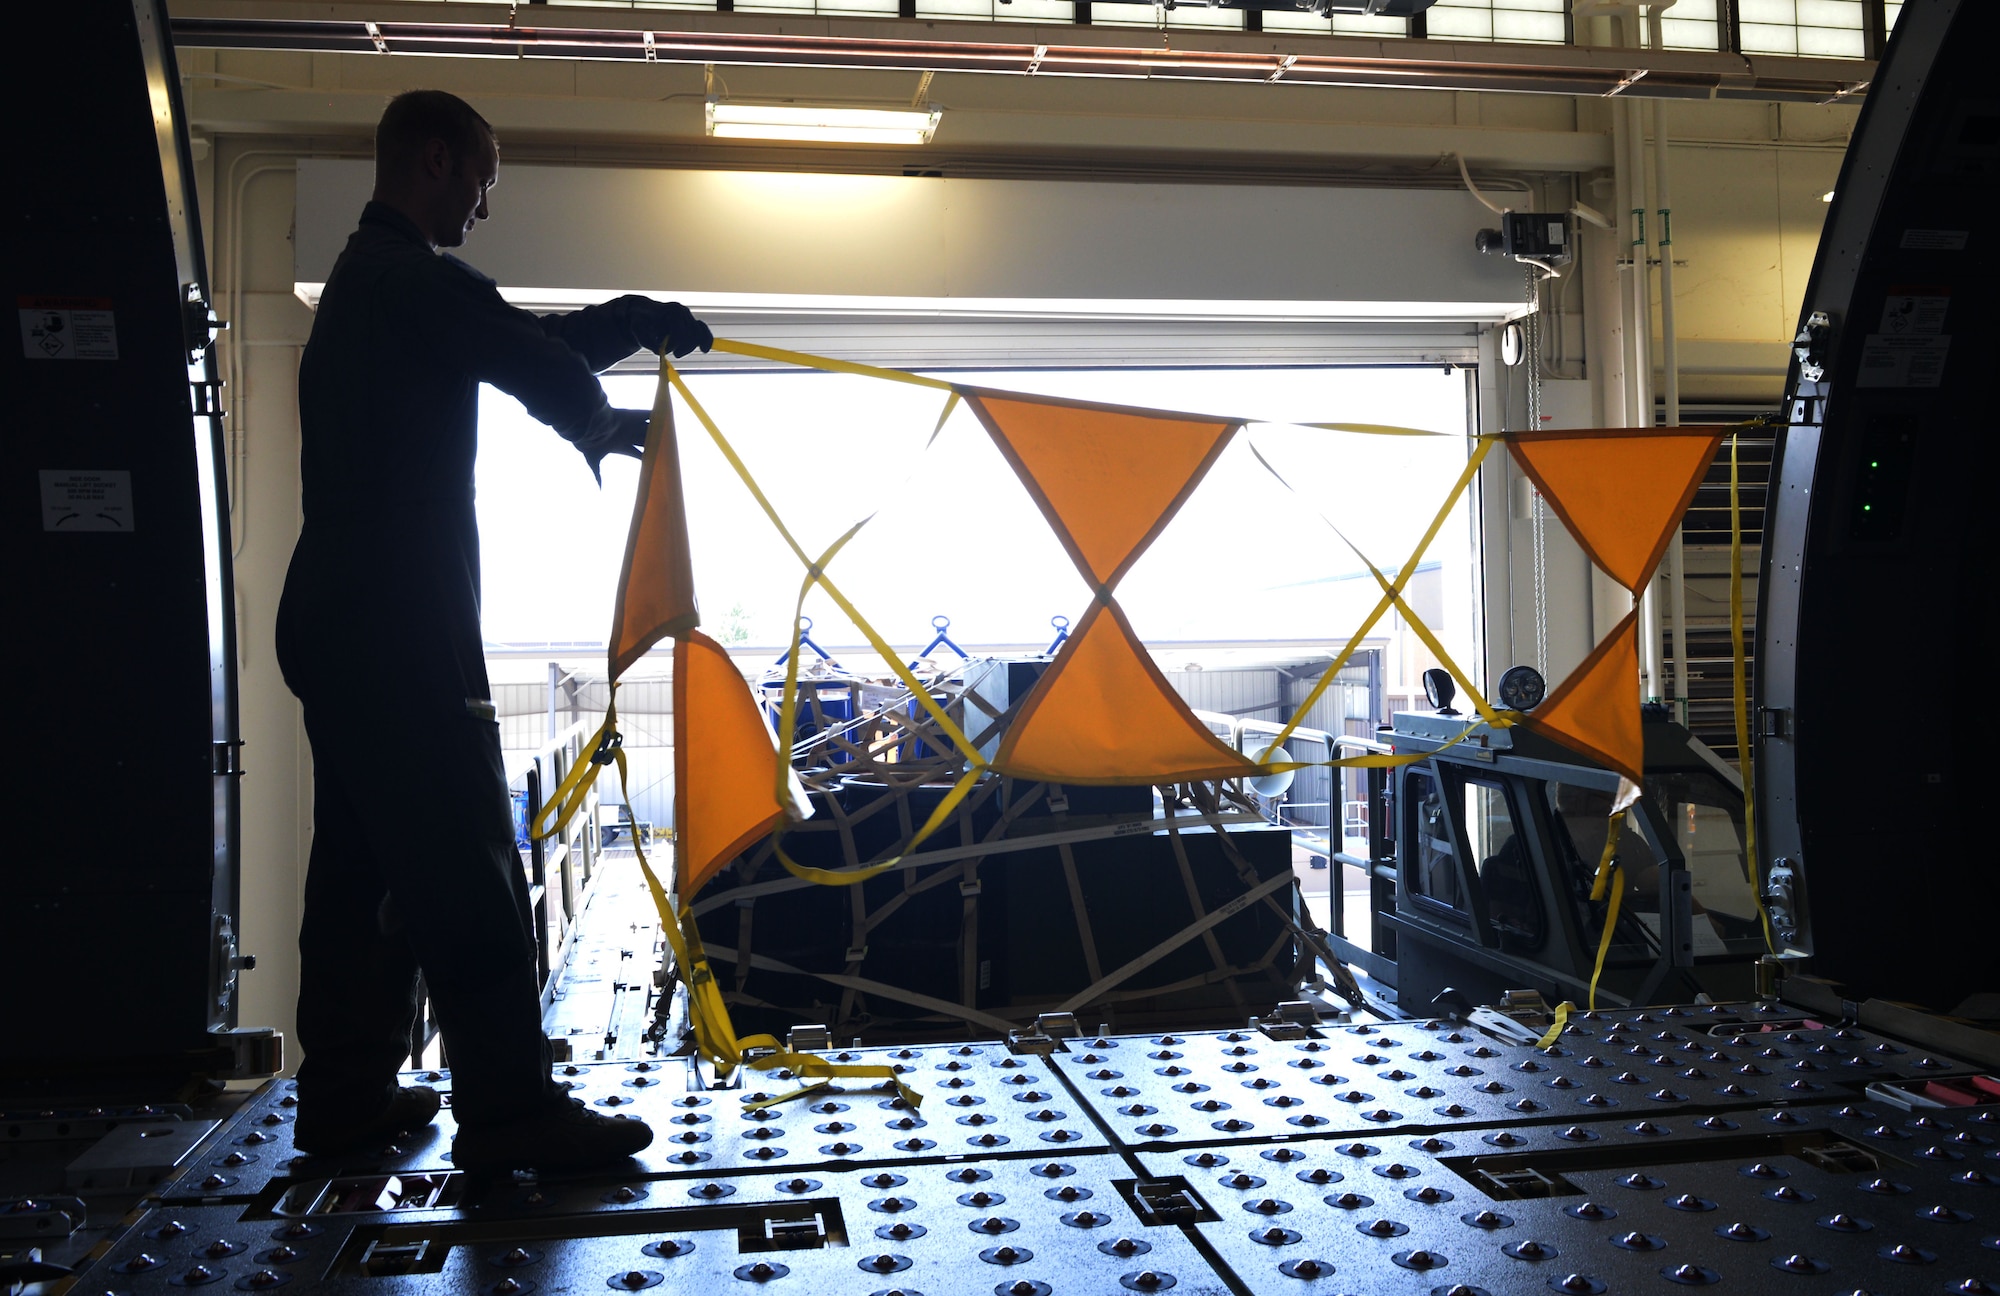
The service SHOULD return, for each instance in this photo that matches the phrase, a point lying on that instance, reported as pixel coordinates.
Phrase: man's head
(435, 158)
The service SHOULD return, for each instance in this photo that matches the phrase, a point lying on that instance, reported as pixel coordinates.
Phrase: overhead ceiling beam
(678, 36)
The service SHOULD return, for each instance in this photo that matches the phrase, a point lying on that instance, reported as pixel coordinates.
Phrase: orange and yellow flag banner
(1621, 492)
(725, 764)
(1108, 479)
(656, 584)
(1595, 710)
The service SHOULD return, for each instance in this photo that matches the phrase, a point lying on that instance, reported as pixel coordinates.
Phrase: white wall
(253, 199)
(1746, 221)
(712, 236)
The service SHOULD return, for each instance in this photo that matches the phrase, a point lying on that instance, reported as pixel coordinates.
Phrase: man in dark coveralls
(413, 857)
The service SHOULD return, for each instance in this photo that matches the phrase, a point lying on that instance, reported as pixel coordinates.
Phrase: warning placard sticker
(1915, 312)
(1933, 240)
(68, 328)
(78, 500)
(1903, 360)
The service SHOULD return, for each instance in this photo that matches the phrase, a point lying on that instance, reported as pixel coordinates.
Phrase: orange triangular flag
(656, 583)
(1596, 710)
(725, 764)
(1103, 714)
(1620, 491)
(1107, 478)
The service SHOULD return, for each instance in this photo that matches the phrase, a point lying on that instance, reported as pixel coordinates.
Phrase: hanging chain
(1532, 337)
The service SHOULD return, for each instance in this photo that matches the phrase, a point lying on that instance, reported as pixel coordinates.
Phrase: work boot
(566, 1136)
(320, 1133)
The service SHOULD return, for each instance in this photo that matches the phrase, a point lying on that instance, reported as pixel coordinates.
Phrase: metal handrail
(545, 770)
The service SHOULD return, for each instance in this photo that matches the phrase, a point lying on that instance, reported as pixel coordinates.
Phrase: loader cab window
(1704, 815)
(1506, 874)
(1581, 817)
(1581, 821)
(1457, 816)
(1433, 875)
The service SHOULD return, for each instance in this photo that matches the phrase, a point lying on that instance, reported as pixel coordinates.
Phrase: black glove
(671, 326)
(612, 431)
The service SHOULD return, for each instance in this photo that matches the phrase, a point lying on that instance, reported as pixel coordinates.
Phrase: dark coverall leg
(379, 636)
(441, 847)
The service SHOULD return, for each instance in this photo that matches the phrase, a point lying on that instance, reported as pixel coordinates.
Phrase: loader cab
(1482, 859)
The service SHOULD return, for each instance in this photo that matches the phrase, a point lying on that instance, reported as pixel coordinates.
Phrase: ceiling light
(822, 123)
(1826, 197)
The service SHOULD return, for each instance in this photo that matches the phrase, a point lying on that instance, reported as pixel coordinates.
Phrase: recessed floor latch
(1171, 1200)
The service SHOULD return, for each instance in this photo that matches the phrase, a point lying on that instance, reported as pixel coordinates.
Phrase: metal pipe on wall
(237, 188)
(1639, 328)
(1676, 573)
(1640, 250)
(1621, 197)
(1670, 374)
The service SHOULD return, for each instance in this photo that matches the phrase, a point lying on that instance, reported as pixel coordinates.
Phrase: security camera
(1541, 237)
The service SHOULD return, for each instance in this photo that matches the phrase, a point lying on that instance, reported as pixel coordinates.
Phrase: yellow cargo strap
(1392, 596)
(1374, 429)
(1612, 875)
(1617, 880)
(788, 708)
(816, 573)
(1493, 719)
(806, 360)
(1555, 1030)
(573, 792)
(714, 1034)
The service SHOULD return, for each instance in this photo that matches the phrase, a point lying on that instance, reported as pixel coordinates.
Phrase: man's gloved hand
(613, 431)
(672, 326)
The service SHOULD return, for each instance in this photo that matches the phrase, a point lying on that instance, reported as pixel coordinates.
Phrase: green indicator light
(1874, 463)
(1867, 508)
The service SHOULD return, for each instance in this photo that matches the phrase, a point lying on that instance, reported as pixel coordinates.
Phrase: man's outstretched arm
(508, 347)
(606, 333)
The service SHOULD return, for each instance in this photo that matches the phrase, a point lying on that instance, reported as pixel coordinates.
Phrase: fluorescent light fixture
(821, 123)
(839, 306)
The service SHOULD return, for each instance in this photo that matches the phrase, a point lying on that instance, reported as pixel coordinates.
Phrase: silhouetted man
(413, 857)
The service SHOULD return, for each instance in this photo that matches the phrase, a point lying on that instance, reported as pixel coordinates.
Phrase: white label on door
(86, 501)
(1903, 361)
(1927, 240)
(68, 328)
(1915, 312)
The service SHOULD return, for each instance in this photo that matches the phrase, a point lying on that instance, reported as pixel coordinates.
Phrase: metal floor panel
(1730, 1147)
(1682, 1207)
(1243, 1085)
(937, 1228)
(979, 1099)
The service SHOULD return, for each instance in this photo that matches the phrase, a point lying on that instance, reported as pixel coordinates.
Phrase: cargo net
(1169, 906)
